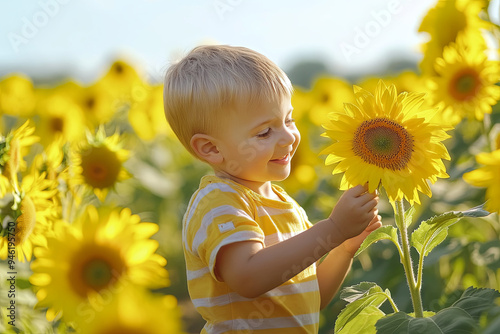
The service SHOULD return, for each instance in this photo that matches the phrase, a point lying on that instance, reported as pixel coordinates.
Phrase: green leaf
(402, 323)
(365, 322)
(460, 318)
(433, 231)
(447, 321)
(362, 296)
(409, 216)
(355, 292)
(382, 233)
(475, 301)
(477, 211)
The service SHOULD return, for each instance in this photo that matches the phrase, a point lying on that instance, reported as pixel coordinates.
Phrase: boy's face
(257, 143)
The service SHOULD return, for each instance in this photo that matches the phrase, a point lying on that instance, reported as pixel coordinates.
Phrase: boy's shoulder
(214, 191)
(216, 187)
(220, 186)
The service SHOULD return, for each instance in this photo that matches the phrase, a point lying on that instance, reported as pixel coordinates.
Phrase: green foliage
(461, 317)
(451, 321)
(363, 311)
(363, 314)
(432, 232)
(383, 233)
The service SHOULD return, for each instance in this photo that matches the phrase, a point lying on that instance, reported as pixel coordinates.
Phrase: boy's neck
(264, 189)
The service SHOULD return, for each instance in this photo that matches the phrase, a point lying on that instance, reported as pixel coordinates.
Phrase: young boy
(251, 253)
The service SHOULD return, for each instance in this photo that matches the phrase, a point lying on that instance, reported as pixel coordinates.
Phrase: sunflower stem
(406, 259)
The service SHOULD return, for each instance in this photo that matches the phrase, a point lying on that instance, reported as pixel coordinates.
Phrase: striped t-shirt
(222, 212)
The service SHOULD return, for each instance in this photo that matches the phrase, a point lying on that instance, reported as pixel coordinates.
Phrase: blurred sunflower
(13, 148)
(489, 177)
(17, 97)
(406, 81)
(37, 211)
(134, 311)
(146, 114)
(97, 165)
(120, 81)
(52, 159)
(59, 114)
(328, 94)
(97, 104)
(465, 85)
(99, 255)
(303, 175)
(387, 139)
(448, 20)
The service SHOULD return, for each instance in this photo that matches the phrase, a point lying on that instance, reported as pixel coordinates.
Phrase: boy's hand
(355, 210)
(352, 245)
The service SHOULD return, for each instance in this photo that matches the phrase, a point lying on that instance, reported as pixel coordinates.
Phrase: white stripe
(196, 200)
(257, 322)
(269, 211)
(194, 274)
(274, 238)
(233, 297)
(201, 234)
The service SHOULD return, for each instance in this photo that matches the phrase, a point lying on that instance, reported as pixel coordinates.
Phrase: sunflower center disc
(100, 167)
(97, 273)
(464, 85)
(383, 143)
(95, 268)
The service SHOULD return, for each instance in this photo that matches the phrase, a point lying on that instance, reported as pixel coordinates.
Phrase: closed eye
(264, 134)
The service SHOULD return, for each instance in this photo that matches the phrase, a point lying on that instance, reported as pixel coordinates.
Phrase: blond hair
(211, 80)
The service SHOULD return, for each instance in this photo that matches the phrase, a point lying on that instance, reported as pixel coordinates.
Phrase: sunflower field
(94, 184)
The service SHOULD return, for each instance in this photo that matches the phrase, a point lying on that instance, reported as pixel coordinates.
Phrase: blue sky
(82, 37)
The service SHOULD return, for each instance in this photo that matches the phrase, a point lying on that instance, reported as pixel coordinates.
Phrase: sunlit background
(79, 38)
(98, 182)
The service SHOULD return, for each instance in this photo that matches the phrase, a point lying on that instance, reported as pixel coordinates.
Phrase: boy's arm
(251, 269)
(333, 269)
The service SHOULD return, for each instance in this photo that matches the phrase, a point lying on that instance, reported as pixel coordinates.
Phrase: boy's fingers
(372, 227)
(374, 224)
(368, 201)
(358, 190)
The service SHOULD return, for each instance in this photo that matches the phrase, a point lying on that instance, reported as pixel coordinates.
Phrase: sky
(81, 38)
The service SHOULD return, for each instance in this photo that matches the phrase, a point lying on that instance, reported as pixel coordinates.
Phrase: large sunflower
(97, 256)
(465, 86)
(133, 311)
(37, 212)
(487, 176)
(97, 165)
(387, 139)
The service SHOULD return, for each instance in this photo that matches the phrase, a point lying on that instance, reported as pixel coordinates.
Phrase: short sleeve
(221, 216)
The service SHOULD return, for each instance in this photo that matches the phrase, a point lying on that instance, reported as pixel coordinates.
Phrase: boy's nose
(289, 136)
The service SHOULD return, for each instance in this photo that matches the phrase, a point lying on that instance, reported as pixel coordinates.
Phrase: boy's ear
(204, 146)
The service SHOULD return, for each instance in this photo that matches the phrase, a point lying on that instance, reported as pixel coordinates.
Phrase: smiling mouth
(284, 160)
